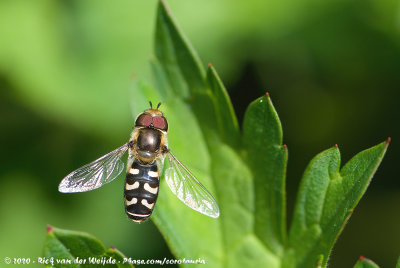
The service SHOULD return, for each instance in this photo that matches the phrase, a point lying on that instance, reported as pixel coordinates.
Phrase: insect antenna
(151, 105)
(158, 105)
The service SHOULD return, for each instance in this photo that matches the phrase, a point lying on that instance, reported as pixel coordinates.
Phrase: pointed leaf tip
(365, 263)
(164, 4)
(225, 116)
(389, 139)
(267, 157)
(49, 228)
(268, 96)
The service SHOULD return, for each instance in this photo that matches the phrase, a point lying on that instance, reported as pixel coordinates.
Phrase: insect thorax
(147, 144)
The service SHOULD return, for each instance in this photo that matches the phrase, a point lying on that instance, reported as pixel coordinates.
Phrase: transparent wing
(188, 189)
(94, 174)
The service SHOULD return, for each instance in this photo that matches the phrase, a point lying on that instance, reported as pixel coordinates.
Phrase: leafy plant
(244, 169)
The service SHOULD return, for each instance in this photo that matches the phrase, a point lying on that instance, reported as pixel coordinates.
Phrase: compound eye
(160, 122)
(144, 120)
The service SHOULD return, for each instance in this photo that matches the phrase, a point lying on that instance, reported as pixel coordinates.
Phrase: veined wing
(188, 189)
(95, 174)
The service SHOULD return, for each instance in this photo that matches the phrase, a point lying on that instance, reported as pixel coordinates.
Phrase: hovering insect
(147, 149)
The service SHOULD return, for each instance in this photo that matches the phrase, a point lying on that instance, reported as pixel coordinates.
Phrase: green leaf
(228, 126)
(398, 263)
(77, 249)
(326, 200)
(181, 64)
(235, 189)
(262, 140)
(365, 263)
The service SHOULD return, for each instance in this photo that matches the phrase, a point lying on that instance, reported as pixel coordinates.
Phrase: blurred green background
(66, 69)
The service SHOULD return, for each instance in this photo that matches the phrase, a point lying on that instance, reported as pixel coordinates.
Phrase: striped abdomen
(141, 190)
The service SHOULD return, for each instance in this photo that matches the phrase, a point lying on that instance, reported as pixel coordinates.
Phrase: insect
(147, 147)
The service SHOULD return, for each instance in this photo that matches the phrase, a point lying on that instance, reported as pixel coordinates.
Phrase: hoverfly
(147, 149)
